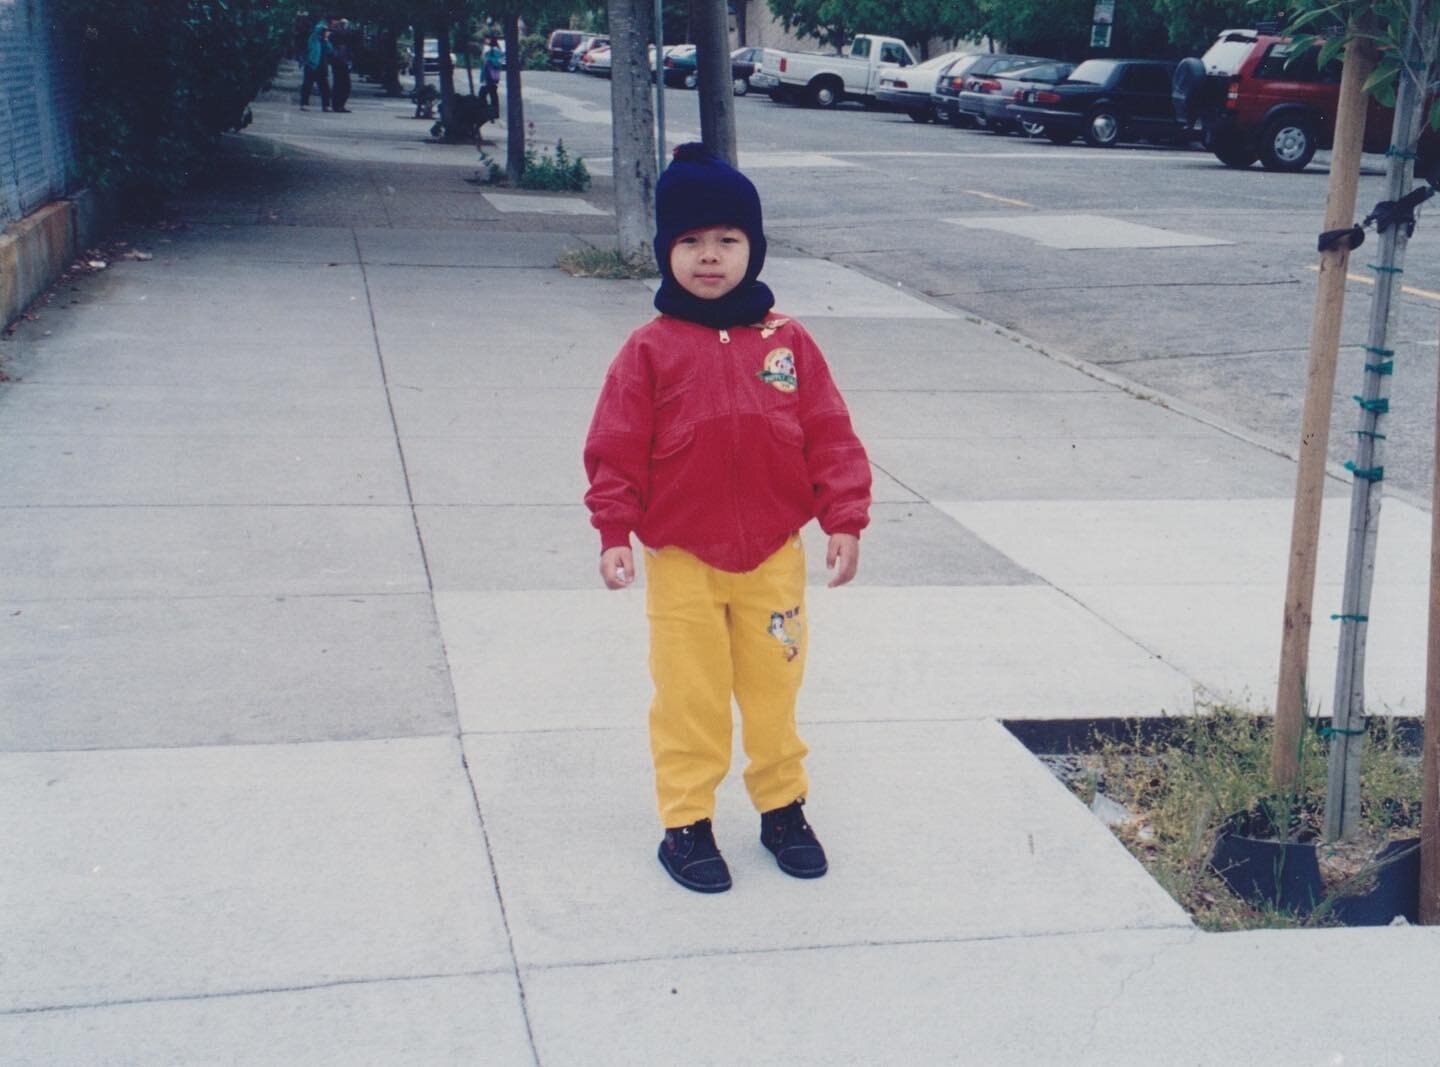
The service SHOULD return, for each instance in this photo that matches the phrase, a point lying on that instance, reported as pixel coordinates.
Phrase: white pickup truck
(822, 80)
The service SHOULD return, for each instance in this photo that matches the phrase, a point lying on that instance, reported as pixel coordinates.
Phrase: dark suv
(1251, 100)
(1106, 101)
(560, 45)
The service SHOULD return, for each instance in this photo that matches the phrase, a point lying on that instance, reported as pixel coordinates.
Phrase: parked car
(761, 79)
(587, 42)
(682, 69)
(987, 97)
(596, 61)
(1252, 98)
(1106, 101)
(747, 57)
(945, 101)
(824, 80)
(561, 46)
(909, 90)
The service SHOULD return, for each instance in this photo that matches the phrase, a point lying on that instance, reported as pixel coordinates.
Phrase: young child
(718, 434)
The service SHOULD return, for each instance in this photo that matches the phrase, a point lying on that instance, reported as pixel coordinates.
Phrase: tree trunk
(717, 94)
(389, 64)
(742, 8)
(514, 105)
(417, 61)
(633, 127)
(447, 71)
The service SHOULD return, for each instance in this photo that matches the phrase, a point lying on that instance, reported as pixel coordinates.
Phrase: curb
(35, 250)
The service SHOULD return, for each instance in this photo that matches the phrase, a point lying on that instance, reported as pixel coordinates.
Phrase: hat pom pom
(693, 152)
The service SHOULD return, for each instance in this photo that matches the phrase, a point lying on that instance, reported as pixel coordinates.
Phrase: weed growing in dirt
(1180, 786)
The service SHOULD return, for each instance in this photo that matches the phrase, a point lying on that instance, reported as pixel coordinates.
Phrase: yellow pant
(713, 633)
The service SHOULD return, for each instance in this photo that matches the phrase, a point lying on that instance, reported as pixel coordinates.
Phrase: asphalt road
(1223, 326)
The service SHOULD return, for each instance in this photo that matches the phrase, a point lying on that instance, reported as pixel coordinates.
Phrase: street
(1221, 322)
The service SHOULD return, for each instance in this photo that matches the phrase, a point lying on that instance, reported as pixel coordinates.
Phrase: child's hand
(842, 557)
(617, 567)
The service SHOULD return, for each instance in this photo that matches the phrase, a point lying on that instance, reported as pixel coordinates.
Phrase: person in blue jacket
(317, 63)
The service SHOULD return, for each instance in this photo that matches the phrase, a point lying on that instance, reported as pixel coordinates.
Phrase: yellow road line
(1409, 290)
(999, 199)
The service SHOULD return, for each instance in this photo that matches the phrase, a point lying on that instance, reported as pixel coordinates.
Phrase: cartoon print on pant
(781, 623)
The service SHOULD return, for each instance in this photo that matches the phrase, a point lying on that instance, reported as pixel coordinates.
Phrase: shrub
(163, 79)
(533, 54)
(557, 173)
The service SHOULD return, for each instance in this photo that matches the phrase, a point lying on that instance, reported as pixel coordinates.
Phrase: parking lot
(1156, 263)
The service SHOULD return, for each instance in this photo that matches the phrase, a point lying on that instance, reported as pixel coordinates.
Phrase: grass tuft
(605, 263)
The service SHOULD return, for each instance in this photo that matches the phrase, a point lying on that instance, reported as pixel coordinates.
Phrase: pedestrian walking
(492, 69)
(317, 62)
(340, 64)
(717, 435)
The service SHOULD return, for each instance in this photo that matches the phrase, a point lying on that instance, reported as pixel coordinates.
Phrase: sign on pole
(1104, 22)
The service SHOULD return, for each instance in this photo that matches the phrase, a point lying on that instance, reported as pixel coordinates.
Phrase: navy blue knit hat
(700, 189)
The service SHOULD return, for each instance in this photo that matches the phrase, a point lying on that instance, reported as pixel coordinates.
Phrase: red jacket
(722, 442)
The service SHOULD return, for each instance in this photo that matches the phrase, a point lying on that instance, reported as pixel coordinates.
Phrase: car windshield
(1093, 71)
(1226, 54)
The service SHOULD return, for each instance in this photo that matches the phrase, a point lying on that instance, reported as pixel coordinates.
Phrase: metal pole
(659, 88)
(1430, 756)
(1342, 802)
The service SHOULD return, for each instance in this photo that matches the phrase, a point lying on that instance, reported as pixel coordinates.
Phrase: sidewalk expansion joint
(978, 939)
(500, 899)
(339, 983)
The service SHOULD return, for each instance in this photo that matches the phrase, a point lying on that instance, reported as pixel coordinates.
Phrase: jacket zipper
(734, 440)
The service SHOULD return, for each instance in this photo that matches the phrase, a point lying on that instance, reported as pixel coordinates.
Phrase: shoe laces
(794, 830)
(697, 840)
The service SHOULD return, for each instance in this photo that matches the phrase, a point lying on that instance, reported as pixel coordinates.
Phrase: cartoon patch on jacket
(779, 369)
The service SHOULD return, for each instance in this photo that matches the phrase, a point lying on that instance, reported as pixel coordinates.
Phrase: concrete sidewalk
(320, 741)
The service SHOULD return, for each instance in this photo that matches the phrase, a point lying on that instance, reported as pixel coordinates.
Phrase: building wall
(39, 90)
(764, 30)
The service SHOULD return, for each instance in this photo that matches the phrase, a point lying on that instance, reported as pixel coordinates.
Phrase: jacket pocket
(672, 440)
(786, 432)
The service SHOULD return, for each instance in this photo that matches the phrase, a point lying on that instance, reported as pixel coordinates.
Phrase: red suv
(1250, 101)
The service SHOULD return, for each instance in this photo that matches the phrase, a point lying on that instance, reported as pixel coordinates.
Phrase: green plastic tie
(1386, 270)
(1373, 350)
(1370, 434)
(1400, 153)
(1385, 367)
(1330, 731)
(1370, 474)
(1379, 406)
(1350, 618)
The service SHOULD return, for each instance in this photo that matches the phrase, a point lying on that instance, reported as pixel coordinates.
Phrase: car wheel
(740, 86)
(1185, 86)
(920, 116)
(691, 79)
(1287, 143)
(962, 121)
(1233, 150)
(1033, 129)
(1003, 128)
(825, 92)
(1061, 137)
(1102, 128)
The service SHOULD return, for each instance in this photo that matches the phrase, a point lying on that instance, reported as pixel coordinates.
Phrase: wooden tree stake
(1290, 710)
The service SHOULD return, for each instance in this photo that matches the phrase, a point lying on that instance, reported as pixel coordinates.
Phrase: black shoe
(689, 854)
(785, 832)
(342, 110)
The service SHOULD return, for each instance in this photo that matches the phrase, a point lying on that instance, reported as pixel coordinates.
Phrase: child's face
(710, 262)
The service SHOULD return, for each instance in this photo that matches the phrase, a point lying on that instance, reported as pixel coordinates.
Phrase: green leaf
(1435, 114)
(1329, 50)
(1311, 16)
(1386, 73)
